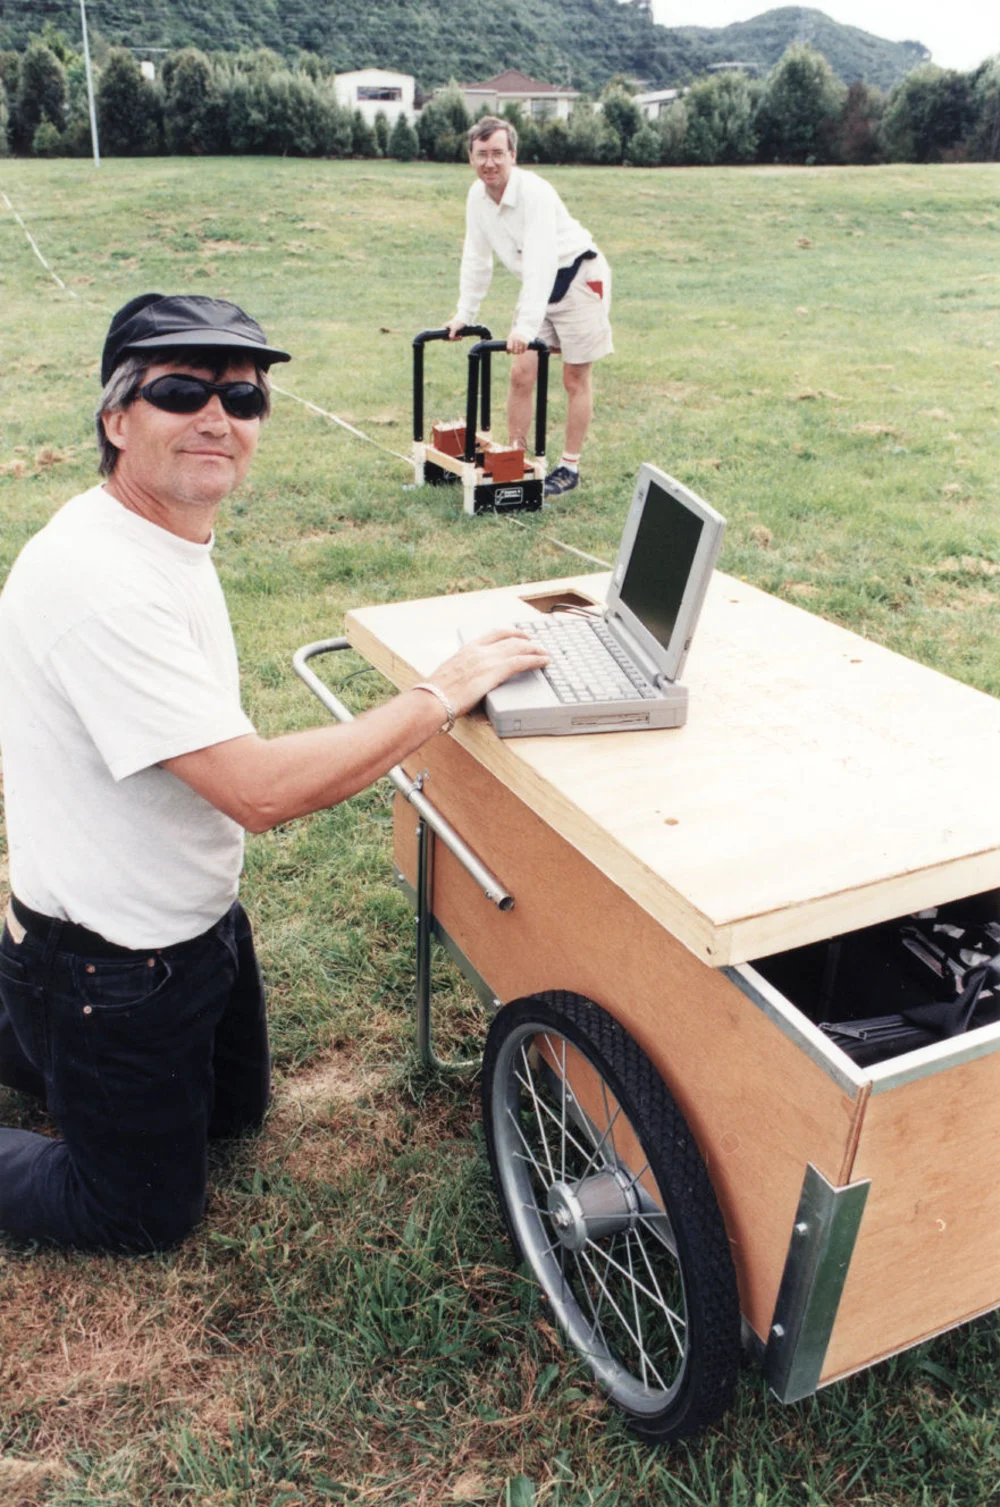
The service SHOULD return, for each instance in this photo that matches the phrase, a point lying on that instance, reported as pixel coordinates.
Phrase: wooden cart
(667, 1128)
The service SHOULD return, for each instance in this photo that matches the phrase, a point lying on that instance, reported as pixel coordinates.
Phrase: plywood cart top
(821, 784)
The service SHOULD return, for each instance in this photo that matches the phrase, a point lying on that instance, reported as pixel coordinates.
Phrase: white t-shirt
(116, 652)
(533, 234)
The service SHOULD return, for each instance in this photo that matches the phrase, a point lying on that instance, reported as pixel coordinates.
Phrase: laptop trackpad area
(526, 691)
(529, 690)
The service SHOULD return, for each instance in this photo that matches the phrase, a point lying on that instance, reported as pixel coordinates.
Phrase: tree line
(257, 102)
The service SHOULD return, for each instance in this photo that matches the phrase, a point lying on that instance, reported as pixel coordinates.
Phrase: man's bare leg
(523, 374)
(579, 405)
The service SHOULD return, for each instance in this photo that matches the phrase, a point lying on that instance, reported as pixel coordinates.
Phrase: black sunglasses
(176, 393)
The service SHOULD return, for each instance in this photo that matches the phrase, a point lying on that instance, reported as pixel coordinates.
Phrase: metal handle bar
(479, 381)
(419, 341)
(442, 334)
(409, 789)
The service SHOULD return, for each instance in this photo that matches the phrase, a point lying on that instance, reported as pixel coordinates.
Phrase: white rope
(569, 548)
(34, 246)
(406, 459)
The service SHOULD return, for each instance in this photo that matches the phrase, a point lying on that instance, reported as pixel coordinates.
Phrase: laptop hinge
(629, 641)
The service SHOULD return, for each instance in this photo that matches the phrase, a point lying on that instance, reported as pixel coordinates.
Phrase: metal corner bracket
(823, 1238)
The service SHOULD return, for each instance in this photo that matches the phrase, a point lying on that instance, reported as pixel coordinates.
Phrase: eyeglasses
(175, 393)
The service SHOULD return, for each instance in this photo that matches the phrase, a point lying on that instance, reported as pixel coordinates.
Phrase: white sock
(571, 462)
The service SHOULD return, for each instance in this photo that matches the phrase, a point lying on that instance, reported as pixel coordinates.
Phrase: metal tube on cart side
(409, 789)
(425, 930)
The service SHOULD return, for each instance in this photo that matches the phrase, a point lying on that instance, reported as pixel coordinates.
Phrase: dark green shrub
(41, 93)
(644, 148)
(403, 144)
(799, 108)
(128, 109)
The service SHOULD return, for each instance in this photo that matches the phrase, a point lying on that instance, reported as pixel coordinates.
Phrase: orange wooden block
(503, 464)
(449, 438)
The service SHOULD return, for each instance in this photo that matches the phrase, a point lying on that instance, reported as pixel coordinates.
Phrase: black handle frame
(479, 388)
(419, 341)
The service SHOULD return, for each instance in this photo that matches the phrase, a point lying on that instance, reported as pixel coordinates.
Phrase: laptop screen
(668, 548)
(657, 575)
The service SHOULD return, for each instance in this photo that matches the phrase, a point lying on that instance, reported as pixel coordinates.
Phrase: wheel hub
(602, 1205)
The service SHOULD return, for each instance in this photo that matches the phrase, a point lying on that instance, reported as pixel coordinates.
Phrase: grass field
(816, 352)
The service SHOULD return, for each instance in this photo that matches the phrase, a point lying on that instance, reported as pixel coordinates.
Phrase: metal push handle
(431, 824)
(409, 789)
(479, 381)
(419, 341)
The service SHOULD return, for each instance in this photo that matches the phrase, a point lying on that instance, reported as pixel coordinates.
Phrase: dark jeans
(140, 1059)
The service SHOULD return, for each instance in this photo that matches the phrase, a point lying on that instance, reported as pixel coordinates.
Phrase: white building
(653, 103)
(373, 89)
(538, 100)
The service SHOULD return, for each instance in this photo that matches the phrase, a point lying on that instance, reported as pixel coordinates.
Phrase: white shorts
(578, 326)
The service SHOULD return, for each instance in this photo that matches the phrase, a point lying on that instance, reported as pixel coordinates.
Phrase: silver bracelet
(449, 711)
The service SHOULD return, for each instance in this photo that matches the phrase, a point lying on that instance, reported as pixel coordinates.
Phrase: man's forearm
(263, 782)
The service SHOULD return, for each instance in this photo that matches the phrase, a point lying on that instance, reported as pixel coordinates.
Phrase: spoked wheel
(609, 1203)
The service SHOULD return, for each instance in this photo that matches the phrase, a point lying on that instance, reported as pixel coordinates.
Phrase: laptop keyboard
(586, 663)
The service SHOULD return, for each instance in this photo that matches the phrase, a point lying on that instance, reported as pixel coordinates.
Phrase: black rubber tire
(708, 1366)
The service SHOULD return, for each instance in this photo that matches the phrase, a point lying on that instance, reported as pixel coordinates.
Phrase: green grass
(818, 353)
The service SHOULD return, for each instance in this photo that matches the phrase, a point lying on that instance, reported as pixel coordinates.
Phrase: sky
(960, 34)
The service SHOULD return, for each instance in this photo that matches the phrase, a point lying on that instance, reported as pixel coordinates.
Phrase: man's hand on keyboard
(467, 676)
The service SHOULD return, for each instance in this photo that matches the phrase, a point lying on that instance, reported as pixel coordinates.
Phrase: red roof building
(539, 100)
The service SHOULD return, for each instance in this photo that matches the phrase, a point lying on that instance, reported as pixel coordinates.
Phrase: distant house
(733, 67)
(372, 89)
(655, 101)
(538, 100)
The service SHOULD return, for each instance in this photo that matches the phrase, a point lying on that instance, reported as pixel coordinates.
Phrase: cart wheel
(608, 1201)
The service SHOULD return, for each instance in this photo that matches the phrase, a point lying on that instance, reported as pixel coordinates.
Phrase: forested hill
(851, 53)
(582, 42)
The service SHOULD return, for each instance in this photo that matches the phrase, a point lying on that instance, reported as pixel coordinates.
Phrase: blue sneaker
(561, 480)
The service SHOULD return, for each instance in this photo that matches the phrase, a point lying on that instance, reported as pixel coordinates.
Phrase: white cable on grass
(569, 548)
(408, 461)
(34, 246)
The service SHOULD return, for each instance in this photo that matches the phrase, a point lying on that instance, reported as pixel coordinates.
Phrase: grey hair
(125, 381)
(486, 127)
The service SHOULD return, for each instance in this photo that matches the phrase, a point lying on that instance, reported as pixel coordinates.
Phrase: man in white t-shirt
(565, 294)
(130, 996)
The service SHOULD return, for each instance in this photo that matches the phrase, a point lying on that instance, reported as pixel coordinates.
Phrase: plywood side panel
(928, 1251)
(758, 1106)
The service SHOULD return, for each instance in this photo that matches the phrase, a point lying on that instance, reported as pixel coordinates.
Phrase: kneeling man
(130, 997)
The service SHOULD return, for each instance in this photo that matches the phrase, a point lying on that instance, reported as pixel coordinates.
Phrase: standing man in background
(565, 286)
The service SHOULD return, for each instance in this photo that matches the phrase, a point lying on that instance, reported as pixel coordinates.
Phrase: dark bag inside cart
(904, 984)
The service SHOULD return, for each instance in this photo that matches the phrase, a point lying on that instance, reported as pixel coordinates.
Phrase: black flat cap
(153, 322)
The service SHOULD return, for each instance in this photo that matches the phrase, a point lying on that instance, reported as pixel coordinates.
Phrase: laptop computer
(624, 671)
